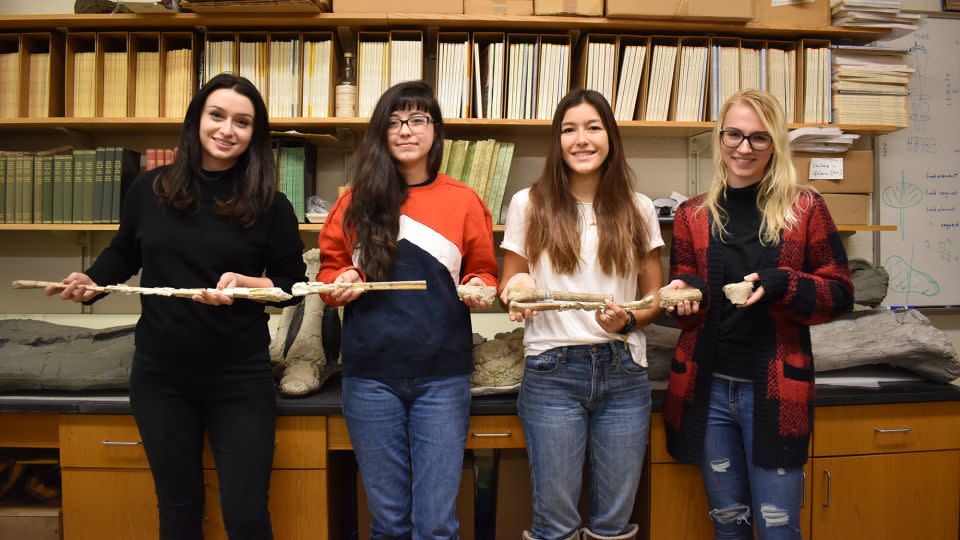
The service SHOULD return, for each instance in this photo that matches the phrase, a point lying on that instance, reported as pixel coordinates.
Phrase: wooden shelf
(457, 126)
(260, 21)
(861, 228)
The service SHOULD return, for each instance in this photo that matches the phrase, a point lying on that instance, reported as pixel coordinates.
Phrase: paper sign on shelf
(826, 169)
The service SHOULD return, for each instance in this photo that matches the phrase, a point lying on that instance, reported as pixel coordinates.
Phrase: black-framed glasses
(417, 123)
(758, 141)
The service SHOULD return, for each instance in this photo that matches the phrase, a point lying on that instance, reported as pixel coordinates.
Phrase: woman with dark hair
(740, 398)
(407, 354)
(581, 227)
(212, 218)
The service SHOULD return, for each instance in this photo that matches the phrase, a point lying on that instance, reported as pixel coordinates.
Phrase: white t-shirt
(550, 329)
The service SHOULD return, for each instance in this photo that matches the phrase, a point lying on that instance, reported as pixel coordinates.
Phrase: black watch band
(630, 325)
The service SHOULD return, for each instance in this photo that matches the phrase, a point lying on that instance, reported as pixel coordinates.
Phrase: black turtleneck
(193, 249)
(741, 252)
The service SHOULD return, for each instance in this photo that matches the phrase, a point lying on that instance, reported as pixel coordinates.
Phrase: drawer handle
(901, 430)
(122, 443)
(491, 435)
(826, 473)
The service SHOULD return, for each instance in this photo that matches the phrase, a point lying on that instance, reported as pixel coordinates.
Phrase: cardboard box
(731, 10)
(811, 14)
(589, 8)
(498, 7)
(848, 209)
(465, 508)
(391, 6)
(33, 522)
(857, 172)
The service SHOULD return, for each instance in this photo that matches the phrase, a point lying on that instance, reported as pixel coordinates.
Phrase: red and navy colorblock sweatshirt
(806, 281)
(446, 238)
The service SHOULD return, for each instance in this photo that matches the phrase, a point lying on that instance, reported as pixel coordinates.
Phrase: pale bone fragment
(263, 294)
(564, 305)
(308, 345)
(300, 378)
(315, 287)
(483, 293)
(498, 362)
(526, 294)
(738, 293)
(672, 297)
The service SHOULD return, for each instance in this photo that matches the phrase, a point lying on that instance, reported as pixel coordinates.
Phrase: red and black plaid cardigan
(806, 281)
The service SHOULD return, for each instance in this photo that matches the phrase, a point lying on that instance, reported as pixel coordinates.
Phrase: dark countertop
(327, 401)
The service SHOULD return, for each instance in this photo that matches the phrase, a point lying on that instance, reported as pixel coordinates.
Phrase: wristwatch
(630, 325)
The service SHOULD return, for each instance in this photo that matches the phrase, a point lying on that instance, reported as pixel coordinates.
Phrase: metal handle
(901, 430)
(491, 435)
(829, 488)
(803, 482)
(122, 443)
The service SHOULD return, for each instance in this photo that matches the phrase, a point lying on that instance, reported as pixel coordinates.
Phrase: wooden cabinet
(887, 472)
(108, 489)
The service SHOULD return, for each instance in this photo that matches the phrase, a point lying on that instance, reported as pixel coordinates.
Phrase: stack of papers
(870, 85)
(873, 14)
(821, 139)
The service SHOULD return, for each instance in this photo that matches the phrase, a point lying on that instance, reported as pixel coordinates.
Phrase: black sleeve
(121, 260)
(285, 264)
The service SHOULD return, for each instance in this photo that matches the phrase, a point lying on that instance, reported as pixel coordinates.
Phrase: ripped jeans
(740, 493)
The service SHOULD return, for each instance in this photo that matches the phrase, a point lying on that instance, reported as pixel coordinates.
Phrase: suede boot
(631, 534)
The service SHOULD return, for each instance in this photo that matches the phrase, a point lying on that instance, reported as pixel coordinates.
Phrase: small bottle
(346, 100)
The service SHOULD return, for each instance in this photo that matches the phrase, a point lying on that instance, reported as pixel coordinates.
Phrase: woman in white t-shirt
(581, 227)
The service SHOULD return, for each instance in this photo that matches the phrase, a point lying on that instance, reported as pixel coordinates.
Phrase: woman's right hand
(520, 280)
(76, 289)
(345, 296)
(686, 307)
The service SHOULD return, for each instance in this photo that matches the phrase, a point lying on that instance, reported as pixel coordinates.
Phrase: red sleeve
(683, 262)
(479, 259)
(336, 249)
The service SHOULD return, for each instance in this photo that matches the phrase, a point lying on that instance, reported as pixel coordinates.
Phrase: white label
(826, 169)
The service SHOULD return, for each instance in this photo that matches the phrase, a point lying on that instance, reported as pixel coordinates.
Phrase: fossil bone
(672, 297)
(264, 294)
(738, 293)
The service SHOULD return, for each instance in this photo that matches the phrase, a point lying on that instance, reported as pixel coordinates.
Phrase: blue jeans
(408, 436)
(736, 488)
(576, 396)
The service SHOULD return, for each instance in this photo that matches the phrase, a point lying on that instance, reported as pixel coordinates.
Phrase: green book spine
(445, 160)
(497, 193)
(67, 189)
(458, 154)
(465, 177)
(96, 212)
(301, 204)
(497, 171)
(106, 192)
(79, 160)
(90, 161)
(37, 213)
(26, 190)
(10, 203)
(3, 190)
(46, 194)
(58, 189)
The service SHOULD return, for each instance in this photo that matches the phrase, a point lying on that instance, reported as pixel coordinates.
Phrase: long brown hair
(553, 220)
(256, 186)
(378, 189)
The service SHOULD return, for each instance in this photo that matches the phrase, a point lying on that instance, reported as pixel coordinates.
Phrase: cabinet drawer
(495, 432)
(485, 432)
(114, 441)
(877, 429)
(28, 430)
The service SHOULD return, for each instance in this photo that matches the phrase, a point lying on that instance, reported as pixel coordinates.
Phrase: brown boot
(631, 534)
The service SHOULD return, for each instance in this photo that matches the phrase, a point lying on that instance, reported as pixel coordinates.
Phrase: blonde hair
(778, 187)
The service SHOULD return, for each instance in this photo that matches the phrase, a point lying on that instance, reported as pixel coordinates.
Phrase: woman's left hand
(612, 318)
(228, 280)
(473, 302)
(757, 293)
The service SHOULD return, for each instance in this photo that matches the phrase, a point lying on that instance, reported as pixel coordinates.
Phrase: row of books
(870, 85)
(9, 85)
(482, 165)
(296, 166)
(158, 157)
(385, 61)
(86, 186)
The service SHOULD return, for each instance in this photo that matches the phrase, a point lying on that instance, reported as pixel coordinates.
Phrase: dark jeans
(176, 400)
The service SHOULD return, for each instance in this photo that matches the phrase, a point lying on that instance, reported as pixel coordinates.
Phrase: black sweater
(738, 330)
(193, 249)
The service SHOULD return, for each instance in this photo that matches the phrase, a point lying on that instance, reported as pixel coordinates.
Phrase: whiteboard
(919, 175)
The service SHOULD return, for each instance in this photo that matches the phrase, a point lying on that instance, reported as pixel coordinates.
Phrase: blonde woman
(739, 402)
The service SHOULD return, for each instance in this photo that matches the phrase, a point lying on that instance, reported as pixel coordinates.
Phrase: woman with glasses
(582, 227)
(407, 355)
(740, 397)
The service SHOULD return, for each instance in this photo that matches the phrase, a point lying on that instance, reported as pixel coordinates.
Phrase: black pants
(176, 400)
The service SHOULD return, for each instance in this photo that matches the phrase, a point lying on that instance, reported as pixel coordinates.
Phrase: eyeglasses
(758, 141)
(417, 123)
